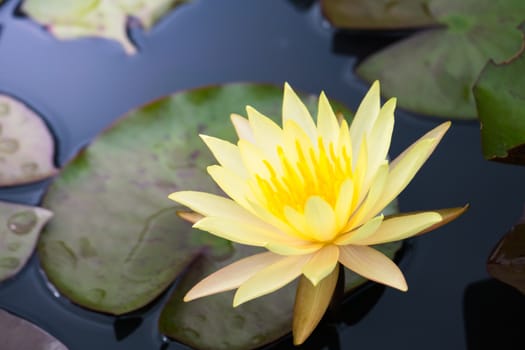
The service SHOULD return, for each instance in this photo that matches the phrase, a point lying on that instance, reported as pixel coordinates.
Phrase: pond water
(81, 87)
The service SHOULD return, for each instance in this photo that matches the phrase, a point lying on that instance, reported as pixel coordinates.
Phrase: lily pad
(68, 19)
(433, 72)
(378, 14)
(26, 146)
(18, 235)
(500, 100)
(18, 334)
(213, 323)
(117, 243)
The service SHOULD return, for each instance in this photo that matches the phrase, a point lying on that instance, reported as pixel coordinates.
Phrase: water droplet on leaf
(9, 146)
(23, 222)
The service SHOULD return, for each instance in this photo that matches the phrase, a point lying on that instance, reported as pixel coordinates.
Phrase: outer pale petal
(343, 206)
(320, 218)
(293, 247)
(311, 303)
(232, 276)
(373, 265)
(400, 227)
(240, 231)
(242, 127)
(294, 109)
(408, 163)
(365, 117)
(327, 125)
(267, 134)
(227, 154)
(380, 137)
(232, 184)
(321, 264)
(361, 232)
(270, 278)
(209, 204)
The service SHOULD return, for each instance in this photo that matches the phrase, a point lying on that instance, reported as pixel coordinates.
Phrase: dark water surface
(82, 86)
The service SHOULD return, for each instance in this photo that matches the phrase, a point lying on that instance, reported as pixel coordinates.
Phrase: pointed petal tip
(190, 216)
(447, 215)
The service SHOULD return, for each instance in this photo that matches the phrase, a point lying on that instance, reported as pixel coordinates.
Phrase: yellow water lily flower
(312, 194)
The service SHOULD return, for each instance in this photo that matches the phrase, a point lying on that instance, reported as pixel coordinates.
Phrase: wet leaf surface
(500, 99)
(19, 334)
(433, 72)
(68, 19)
(116, 243)
(26, 146)
(378, 14)
(19, 231)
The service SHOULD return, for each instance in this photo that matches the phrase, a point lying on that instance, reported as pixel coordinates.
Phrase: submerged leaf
(21, 226)
(26, 146)
(500, 99)
(18, 334)
(68, 19)
(433, 72)
(378, 14)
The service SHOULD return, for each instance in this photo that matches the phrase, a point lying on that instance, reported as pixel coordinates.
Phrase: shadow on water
(494, 316)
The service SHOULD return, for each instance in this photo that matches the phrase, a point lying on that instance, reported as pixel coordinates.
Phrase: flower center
(317, 172)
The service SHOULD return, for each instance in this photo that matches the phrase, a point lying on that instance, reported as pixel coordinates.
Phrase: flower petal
(291, 247)
(254, 160)
(242, 127)
(365, 117)
(447, 215)
(294, 109)
(227, 154)
(327, 125)
(243, 232)
(209, 204)
(320, 218)
(408, 163)
(321, 264)
(267, 134)
(398, 227)
(364, 231)
(270, 278)
(232, 276)
(380, 137)
(373, 265)
(343, 206)
(311, 303)
(231, 183)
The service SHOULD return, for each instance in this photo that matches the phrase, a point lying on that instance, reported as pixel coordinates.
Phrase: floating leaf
(500, 99)
(117, 243)
(18, 334)
(378, 14)
(433, 72)
(68, 19)
(21, 226)
(213, 323)
(506, 262)
(26, 147)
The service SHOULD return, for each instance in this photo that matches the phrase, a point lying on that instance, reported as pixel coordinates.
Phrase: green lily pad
(213, 323)
(378, 14)
(69, 19)
(18, 235)
(500, 99)
(26, 146)
(117, 243)
(433, 72)
(18, 334)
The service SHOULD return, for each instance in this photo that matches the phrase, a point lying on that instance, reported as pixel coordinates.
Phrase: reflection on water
(494, 315)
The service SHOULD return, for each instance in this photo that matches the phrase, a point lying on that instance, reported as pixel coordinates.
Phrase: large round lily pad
(26, 146)
(116, 242)
(500, 99)
(433, 72)
(69, 19)
(19, 334)
(20, 227)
